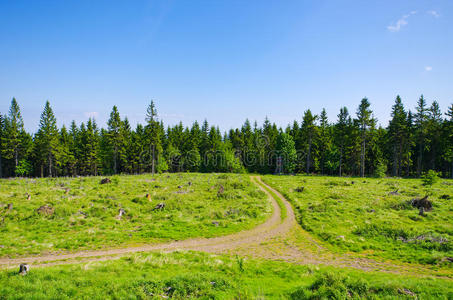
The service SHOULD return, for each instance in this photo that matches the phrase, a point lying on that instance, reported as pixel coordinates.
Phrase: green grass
(359, 215)
(281, 205)
(86, 212)
(183, 275)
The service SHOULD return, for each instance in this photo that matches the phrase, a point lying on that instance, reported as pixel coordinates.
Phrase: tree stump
(148, 196)
(28, 197)
(422, 203)
(121, 212)
(394, 193)
(300, 189)
(159, 206)
(105, 180)
(46, 210)
(221, 190)
(10, 206)
(24, 269)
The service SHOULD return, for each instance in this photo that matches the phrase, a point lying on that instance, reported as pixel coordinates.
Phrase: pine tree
(13, 136)
(138, 146)
(65, 153)
(421, 118)
(92, 147)
(192, 158)
(125, 156)
(449, 137)
(364, 121)
(115, 139)
(409, 149)
(342, 132)
(2, 134)
(325, 141)
(434, 130)
(74, 149)
(269, 139)
(153, 135)
(398, 134)
(309, 133)
(287, 151)
(47, 141)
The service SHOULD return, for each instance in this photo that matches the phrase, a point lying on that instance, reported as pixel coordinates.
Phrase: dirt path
(273, 227)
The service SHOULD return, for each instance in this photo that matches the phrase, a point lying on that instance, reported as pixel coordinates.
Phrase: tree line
(412, 143)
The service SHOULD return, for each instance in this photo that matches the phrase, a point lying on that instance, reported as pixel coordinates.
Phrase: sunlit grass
(359, 215)
(184, 275)
(86, 212)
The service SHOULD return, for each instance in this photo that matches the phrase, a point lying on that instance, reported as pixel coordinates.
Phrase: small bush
(338, 286)
(381, 170)
(430, 177)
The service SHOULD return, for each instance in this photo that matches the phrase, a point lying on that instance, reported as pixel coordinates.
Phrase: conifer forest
(414, 141)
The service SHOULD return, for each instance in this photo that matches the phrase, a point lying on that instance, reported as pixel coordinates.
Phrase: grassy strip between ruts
(283, 211)
(182, 275)
(374, 217)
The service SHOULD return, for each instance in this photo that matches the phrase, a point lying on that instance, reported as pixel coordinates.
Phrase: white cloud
(91, 114)
(433, 13)
(428, 68)
(401, 22)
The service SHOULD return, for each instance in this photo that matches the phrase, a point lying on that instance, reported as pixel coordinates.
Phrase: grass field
(182, 275)
(359, 215)
(86, 212)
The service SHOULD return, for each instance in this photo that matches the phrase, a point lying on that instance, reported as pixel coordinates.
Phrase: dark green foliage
(287, 151)
(47, 154)
(410, 145)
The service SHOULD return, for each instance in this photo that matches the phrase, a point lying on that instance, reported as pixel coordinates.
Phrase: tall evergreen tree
(421, 118)
(287, 151)
(434, 131)
(398, 135)
(92, 147)
(115, 138)
(2, 134)
(13, 136)
(74, 149)
(342, 132)
(364, 121)
(47, 144)
(309, 134)
(449, 138)
(153, 135)
(325, 141)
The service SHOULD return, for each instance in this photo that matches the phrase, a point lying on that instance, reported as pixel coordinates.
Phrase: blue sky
(222, 60)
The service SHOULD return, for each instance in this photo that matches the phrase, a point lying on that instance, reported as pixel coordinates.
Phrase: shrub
(24, 168)
(430, 177)
(337, 286)
(381, 170)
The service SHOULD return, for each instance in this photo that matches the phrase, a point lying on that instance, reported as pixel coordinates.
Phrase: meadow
(187, 275)
(38, 216)
(374, 217)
